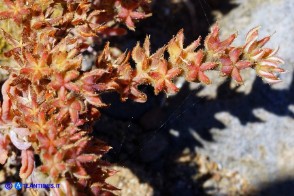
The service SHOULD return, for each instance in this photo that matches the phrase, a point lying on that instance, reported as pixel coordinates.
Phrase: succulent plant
(50, 103)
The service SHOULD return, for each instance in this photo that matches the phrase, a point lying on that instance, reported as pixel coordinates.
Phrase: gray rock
(262, 150)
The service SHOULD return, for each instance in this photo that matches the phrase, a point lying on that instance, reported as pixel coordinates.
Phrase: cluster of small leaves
(194, 63)
(50, 102)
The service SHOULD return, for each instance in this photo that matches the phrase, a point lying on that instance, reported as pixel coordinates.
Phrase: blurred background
(221, 139)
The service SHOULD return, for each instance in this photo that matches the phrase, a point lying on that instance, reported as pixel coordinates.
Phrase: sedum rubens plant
(50, 101)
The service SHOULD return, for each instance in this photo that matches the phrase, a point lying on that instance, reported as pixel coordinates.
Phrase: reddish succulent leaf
(252, 47)
(162, 78)
(267, 72)
(36, 68)
(4, 142)
(63, 80)
(95, 100)
(50, 140)
(68, 104)
(267, 64)
(84, 158)
(231, 64)
(214, 44)
(194, 71)
(128, 14)
(137, 95)
(141, 56)
(179, 54)
(27, 163)
(53, 164)
(17, 10)
(6, 114)
(64, 59)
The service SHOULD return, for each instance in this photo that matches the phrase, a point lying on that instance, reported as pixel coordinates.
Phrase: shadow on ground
(283, 187)
(148, 144)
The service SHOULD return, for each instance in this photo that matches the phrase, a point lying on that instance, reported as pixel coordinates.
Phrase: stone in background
(263, 151)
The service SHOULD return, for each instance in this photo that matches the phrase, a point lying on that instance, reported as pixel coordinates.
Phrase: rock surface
(261, 150)
(128, 183)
